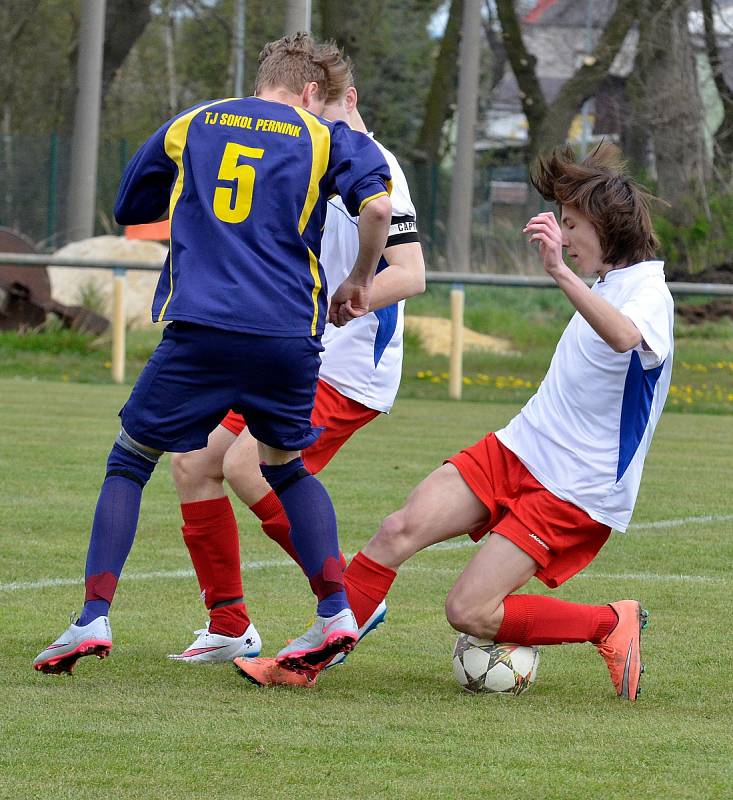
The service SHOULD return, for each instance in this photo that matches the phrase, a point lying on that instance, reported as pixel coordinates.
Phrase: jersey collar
(655, 267)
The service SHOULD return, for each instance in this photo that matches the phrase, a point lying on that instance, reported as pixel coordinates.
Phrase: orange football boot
(267, 672)
(621, 649)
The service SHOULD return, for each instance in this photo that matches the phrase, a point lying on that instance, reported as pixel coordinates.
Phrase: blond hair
(294, 61)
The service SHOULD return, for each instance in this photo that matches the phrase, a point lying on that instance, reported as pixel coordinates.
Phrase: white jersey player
(359, 379)
(551, 485)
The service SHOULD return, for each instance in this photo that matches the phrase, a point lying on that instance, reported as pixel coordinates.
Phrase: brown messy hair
(294, 61)
(600, 189)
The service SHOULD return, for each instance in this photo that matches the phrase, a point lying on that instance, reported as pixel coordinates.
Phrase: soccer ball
(481, 665)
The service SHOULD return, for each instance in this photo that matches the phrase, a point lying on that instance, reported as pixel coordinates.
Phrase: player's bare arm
(615, 328)
(403, 278)
(351, 299)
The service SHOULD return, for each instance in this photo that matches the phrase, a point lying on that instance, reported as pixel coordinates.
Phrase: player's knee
(235, 464)
(393, 536)
(480, 619)
(131, 460)
(181, 469)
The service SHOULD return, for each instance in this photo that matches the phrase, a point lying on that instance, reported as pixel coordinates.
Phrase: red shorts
(339, 417)
(558, 535)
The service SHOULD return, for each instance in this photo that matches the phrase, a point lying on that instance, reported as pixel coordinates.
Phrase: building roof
(571, 13)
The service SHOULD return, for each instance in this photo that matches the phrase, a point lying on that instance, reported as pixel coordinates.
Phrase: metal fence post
(118, 325)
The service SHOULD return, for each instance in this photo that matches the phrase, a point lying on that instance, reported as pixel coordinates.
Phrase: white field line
(46, 583)
(678, 523)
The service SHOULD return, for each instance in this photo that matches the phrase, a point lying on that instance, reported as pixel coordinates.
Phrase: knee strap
(123, 463)
(282, 476)
(126, 441)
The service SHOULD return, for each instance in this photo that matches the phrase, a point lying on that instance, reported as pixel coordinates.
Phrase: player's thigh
(207, 462)
(441, 507)
(242, 469)
(499, 568)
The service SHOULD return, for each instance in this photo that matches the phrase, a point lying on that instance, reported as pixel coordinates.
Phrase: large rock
(93, 287)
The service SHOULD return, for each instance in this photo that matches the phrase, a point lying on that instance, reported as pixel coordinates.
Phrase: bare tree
(724, 134)
(125, 21)
(549, 123)
(666, 98)
(442, 94)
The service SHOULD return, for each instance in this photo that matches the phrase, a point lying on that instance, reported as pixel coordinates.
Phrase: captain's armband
(402, 230)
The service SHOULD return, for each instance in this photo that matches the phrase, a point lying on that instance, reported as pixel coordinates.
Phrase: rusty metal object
(25, 294)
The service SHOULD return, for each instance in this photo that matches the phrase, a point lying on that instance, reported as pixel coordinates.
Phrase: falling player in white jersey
(551, 485)
(359, 378)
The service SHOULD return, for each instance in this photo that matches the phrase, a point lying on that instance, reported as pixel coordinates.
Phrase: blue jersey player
(244, 182)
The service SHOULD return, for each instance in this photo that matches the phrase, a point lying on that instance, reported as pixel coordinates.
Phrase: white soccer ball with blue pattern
(481, 665)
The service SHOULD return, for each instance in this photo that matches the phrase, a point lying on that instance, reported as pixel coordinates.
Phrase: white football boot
(326, 638)
(376, 619)
(94, 639)
(214, 648)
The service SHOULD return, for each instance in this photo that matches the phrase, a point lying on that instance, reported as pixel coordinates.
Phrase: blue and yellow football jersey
(245, 182)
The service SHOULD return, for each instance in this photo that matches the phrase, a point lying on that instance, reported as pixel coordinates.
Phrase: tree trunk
(347, 29)
(667, 72)
(170, 56)
(548, 125)
(724, 134)
(442, 94)
(524, 66)
(125, 21)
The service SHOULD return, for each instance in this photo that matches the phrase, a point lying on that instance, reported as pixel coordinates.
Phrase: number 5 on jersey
(234, 204)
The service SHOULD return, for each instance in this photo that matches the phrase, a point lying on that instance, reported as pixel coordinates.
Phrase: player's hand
(544, 229)
(349, 301)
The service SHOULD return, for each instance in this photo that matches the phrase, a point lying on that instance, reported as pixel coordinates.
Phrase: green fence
(34, 179)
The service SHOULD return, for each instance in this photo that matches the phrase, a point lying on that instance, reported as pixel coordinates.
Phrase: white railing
(458, 280)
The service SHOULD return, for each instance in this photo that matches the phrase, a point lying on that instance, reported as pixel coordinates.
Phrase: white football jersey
(585, 434)
(363, 359)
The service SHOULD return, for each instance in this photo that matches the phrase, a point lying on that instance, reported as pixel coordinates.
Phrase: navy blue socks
(313, 531)
(113, 529)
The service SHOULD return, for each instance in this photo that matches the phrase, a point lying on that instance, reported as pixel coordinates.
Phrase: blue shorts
(198, 373)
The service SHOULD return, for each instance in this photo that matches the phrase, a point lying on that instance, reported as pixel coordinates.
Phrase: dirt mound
(76, 286)
(712, 311)
(721, 273)
(434, 333)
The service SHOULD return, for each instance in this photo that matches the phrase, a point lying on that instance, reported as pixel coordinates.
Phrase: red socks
(275, 524)
(211, 536)
(367, 583)
(535, 619)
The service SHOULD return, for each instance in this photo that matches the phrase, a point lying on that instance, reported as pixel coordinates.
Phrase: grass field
(391, 723)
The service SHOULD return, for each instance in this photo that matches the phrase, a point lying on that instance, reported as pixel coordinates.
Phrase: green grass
(392, 723)
(531, 319)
